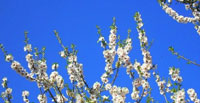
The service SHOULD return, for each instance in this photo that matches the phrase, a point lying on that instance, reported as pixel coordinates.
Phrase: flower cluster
(109, 54)
(81, 92)
(135, 94)
(123, 57)
(95, 91)
(136, 84)
(75, 70)
(118, 94)
(193, 95)
(143, 70)
(19, 69)
(7, 92)
(160, 83)
(177, 17)
(193, 6)
(165, 87)
(179, 96)
(37, 67)
(175, 74)
(6, 95)
(57, 79)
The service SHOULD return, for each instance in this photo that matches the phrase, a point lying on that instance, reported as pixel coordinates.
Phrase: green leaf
(149, 99)
(173, 90)
(72, 46)
(171, 49)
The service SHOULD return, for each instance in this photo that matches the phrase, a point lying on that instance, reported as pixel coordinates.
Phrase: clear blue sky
(76, 21)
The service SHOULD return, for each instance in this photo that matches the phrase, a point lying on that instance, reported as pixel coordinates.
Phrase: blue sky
(76, 21)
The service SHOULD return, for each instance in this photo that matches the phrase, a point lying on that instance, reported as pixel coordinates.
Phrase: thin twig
(180, 56)
(3, 50)
(59, 39)
(165, 98)
(84, 81)
(189, 60)
(115, 76)
(52, 96)
(60, 93)
(139, 100)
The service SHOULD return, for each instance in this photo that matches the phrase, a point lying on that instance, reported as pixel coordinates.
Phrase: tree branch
(52, 96)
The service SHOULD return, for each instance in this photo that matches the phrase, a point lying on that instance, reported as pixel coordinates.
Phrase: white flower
(4, 82)
(79, 99)
(72, 58)
(96, 85)
(179, 96)
(4, 79)
(145, 84)
(28, 48)
(25, 93)
(29, 58)
(60, 99)
(8, 91)
(42, 98)
(108, 86)
(125, 90)
(62, 54)
(113, 31)
(187, 7)
(3, 94)
(93, 98)
(140, 24)
(104, 78)
(15, 65)
(9, 57)
(101, 38)
(136, 65)
(80, 84)
(55, 66)
(60, 81)
(135, 94)
(169, 84)
(171, 71)
(193, 95)
(179, 79)
(120, 52)
(105, 97)
(112, 38)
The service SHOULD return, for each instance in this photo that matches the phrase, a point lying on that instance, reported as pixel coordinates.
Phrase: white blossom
(28, 48)
(42, 98)
(55, 66)
(193, 95)
(9, 58)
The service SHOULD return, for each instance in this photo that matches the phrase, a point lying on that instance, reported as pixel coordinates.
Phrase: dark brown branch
(52, 96)
(60, 93)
